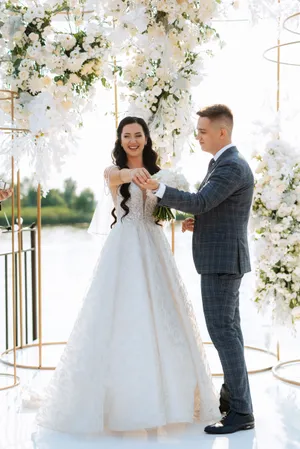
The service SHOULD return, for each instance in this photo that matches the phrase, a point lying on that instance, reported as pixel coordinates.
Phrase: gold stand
(277, 368)
(9, 95)
(279, 62)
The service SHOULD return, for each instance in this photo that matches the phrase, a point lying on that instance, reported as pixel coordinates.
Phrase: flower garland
(53, 73)
(276, 213)
(165, 47)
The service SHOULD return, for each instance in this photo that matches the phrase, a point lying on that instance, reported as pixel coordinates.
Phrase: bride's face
(133, 140)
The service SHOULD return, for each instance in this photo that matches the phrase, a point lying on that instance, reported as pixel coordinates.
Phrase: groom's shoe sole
(228, 429)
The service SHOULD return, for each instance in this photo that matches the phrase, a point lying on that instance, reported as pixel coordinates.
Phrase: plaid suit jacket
(221, 208)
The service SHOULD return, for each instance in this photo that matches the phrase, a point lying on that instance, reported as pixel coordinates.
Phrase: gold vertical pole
(39, 260)
(20, 256)
(13, 266)
(116, 94)
(278, 350)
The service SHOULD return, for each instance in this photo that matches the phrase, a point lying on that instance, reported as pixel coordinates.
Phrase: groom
(220, 248)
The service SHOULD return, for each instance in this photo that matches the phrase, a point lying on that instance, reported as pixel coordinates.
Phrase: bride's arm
(115, 177)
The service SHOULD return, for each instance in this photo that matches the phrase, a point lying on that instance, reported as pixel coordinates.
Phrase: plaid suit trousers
(220, 297)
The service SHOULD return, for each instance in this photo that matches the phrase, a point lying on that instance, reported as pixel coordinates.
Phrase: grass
(50, 216)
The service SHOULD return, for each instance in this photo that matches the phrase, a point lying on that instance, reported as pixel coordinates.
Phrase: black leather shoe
(224, 399)
(232, 422)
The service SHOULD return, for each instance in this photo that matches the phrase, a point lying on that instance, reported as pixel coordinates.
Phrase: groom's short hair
(220, 113)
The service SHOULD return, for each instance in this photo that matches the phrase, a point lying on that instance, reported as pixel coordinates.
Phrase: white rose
(75, 79)
(156, 91)
(67, 41)
(24, 75)
(34, 37)
(74, 64)
(87, 68)
(284, 210)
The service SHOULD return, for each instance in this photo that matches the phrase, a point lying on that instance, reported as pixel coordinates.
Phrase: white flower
(35, 84)
(75, 79)
(87, 68)
(24, 75)
(284, 210)
(156, 91)
(67, 41)
(34, 37)
(74, 64)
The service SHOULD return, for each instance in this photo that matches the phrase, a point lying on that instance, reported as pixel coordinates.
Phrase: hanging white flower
(51, 71)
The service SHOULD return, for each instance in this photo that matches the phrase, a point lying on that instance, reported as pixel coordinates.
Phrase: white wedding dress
(134, 359)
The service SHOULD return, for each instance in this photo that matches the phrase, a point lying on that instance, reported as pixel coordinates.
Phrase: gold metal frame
(277, 367)
(33, 345)
(284, 25)
(279, 46)
(10, 95)
(253, 348)
(276, 47)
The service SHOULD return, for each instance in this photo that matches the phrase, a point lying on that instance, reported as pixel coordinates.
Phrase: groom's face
(209, 135)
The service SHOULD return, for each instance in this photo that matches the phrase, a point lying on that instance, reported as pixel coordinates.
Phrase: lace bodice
(141, 205)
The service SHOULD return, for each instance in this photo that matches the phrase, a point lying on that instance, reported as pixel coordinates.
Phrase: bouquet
(171, 178)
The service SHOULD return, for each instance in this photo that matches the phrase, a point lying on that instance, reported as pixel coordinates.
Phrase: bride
(134, 359)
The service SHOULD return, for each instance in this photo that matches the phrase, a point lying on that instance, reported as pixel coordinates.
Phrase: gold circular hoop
(277, 367)
(276, 47)
(253, 348)
(15, 384)
(284, 25)
(34, 345)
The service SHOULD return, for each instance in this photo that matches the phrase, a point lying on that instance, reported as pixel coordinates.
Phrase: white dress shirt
(162, 187)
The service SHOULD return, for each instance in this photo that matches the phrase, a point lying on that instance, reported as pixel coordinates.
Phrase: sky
(237, 76)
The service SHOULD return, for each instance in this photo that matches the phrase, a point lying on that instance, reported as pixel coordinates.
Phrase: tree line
(67, 197)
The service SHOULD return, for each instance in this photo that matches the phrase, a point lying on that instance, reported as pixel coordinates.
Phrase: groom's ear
(223, 132)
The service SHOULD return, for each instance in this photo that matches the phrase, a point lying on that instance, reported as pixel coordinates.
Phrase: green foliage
(50, 216)
(70, 187)
(54, 198)
(85, 201)
(58, 207)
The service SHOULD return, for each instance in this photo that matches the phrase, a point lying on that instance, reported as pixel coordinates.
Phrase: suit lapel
(226, 154)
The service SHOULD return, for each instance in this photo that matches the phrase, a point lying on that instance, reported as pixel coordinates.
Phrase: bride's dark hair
(119, 157)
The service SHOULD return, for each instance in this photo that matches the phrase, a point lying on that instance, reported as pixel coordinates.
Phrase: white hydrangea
(276, 213)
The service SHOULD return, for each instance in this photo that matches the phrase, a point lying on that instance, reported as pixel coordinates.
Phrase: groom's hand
(149, 184)
(188, 224)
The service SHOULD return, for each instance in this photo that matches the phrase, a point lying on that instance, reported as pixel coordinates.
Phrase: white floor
(276, 404)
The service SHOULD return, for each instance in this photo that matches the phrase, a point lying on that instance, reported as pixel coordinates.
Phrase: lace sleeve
(112, 189)
(107, 173)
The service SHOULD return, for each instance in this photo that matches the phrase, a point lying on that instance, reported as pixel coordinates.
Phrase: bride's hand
(140, 176)
(188, 224)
